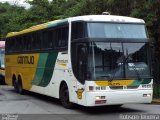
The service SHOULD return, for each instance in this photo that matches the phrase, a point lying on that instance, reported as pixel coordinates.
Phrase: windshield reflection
(118, 61)
(118, 30)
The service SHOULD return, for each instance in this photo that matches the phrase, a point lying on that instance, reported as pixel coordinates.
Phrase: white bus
(92, 60)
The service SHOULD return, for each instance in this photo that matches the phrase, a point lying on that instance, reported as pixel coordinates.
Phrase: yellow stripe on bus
(33, 28)
(114, 82)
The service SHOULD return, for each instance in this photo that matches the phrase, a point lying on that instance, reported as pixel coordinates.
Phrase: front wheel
(64, 96)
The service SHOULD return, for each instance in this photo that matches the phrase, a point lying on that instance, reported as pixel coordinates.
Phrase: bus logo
(25, 59)
(79, 93)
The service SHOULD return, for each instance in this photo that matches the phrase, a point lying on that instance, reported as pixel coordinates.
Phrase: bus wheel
(64, 96)
(19, 86)
(15, 85)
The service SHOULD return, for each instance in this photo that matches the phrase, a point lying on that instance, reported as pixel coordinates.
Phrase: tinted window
(43, 40)
(78, 30)
(51, 35)
(62, 37)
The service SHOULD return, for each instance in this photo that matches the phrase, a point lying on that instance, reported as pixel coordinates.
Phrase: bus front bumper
(118, 97)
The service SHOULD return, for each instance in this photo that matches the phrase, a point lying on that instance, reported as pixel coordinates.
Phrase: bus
(2, 66)
(91, 60)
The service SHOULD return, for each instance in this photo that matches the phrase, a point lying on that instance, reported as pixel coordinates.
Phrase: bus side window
(36, 42)
(14, 44)
(51, 40)
(20, 42)
(32, 43)
(58, 37)
(45, 40)
(29, 42)
(11, 45)
(40, 40)
(62, 37)
(25, 42)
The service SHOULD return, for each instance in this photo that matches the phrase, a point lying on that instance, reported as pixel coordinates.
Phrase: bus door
(81, 71)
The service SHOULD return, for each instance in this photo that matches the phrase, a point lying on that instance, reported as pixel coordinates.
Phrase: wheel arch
(63, 82)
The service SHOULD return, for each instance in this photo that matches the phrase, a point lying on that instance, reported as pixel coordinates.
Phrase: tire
(19, 86)
(64, 96)
(15, 85)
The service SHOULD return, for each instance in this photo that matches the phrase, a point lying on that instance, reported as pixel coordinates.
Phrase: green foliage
(14, 18)
(8, 16)
(156, 91)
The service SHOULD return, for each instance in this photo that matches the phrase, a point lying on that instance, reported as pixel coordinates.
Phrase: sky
(17, 2)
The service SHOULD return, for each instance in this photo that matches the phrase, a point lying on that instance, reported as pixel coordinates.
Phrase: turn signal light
(91, 88)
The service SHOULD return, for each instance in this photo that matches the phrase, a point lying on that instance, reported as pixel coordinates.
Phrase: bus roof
(91, 18)
(107, 18)
(2, 44)
(37, 27)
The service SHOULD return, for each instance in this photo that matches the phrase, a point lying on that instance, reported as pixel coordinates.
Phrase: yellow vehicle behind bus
(2, 66)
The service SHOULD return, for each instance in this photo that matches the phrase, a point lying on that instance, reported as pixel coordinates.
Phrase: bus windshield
(118, 60)
(116, 30)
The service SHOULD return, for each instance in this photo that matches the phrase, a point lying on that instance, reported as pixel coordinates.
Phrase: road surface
(32, 105)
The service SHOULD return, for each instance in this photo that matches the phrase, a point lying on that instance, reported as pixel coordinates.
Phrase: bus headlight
(100, 97)
(147, 95)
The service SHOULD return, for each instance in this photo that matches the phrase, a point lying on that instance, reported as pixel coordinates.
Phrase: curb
(156, 101)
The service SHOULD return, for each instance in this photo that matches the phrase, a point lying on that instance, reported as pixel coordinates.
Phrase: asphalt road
(34, 106)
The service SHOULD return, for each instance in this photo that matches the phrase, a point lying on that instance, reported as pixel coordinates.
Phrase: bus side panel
(61, 72)
(55, 71)
(42, 73)
(23, 65)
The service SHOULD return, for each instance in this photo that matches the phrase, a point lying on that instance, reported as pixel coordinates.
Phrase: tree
(8, 15)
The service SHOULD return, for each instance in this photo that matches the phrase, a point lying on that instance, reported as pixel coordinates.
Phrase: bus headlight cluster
(100, 100)
(100, 97)
(147, 95)
(146, 86)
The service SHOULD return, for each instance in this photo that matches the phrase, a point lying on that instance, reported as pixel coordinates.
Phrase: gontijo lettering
(25, 59)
